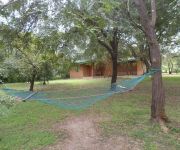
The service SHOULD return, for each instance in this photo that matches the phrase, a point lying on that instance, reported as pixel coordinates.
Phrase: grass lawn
(29, 125)
(131, 112)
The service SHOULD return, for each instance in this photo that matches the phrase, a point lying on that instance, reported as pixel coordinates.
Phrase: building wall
(127, 68)
(131, 68)
(76, 72)
(141, 68)
(81, 71)
(99, 70)
(87, 70)
(123, 69)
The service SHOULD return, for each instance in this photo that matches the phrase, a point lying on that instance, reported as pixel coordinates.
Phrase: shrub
(5, 103)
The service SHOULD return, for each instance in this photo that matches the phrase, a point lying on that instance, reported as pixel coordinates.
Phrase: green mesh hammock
(78, 98)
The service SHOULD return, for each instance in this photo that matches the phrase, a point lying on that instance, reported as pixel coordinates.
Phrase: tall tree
(19, 19)
(148, 23)
(102, 20)
(166, 27)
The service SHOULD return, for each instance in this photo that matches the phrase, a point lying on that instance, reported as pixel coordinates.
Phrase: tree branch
(26, 56)
(9, 3)
(114, 41)
(133, 23)
(109, 49)
(104, 33)
(153, 12)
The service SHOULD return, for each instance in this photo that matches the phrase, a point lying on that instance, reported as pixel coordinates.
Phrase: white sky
(4, 1)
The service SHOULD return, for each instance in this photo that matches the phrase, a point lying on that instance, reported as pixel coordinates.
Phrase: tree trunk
(32, 81)
(158, 94)
(146, 64)
(114, 70)
(112, 48)
(170, 67)
(44, 80)
(113, 51)
(170, 72)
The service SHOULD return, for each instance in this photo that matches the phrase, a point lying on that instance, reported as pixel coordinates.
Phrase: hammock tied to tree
(79, 98)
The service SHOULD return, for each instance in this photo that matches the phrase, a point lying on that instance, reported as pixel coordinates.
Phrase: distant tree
(177, 64)
(18, 33)
(170, 66)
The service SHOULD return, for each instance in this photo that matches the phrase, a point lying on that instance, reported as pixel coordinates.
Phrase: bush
(6, 102)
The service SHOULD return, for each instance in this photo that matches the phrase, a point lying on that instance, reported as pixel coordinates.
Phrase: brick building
(89, 69)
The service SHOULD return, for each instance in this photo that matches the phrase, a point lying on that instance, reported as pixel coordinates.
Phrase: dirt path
(84, 135)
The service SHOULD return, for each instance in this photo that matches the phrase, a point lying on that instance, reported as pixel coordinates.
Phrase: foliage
(177, 64)
(23, 43)
(6, 102)
(166, 28)
(73, 28)
(171, 62)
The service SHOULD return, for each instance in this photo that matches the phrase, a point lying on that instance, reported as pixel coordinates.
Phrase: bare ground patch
(83, 134)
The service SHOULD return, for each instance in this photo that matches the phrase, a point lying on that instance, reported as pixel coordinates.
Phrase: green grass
(130, 113)
(61, 84)
(28, 125)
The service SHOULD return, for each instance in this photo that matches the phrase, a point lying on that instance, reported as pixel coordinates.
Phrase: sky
(4, 1)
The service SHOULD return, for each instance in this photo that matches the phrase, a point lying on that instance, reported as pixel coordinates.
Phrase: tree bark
(114, 55)
(44, 80)
(32, 80)
(146, 64)
(32, 83)
(114, 70)
(170, 67)
(146, 56)
(158, 95)
(113, 51)
(170, 72)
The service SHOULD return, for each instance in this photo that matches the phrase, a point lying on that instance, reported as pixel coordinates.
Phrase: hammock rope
(79, 98)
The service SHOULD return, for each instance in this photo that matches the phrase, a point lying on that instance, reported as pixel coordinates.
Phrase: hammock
(78, 98)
